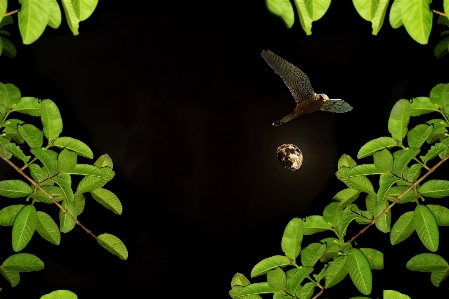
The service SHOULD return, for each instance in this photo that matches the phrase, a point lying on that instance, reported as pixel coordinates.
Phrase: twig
(429, 171)
(11, 12)
(439, 12)
(36, 185)
(319, 293)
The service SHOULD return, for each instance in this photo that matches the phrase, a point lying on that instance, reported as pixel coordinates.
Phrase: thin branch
(319, 294)
(36, 185)
(11, 12)
(412, 186)
(438, 12)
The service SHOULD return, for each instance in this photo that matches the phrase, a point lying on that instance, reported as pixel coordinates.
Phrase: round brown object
(290, 156)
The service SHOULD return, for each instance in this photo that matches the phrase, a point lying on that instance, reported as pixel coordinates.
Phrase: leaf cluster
(401, 164)
(48, 164)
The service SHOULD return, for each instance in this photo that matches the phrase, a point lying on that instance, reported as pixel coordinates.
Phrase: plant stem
(438, 12)
(36, 185)
(11, 12)
(412, 186)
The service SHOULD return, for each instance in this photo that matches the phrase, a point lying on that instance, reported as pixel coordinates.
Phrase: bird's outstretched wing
(283, 120)
(295, 79)
(336, 106)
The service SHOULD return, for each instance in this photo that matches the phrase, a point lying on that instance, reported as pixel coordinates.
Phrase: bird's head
(322, 97)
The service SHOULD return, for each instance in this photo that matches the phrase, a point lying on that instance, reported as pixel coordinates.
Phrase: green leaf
(360, 271)
(400, 164)
(66, 160)
(312, 253)
(54, 191)
(421, 105)
(84, 8)
(65, 182)
(375, 258)
(417, 19)
(3, 150)
(412, 174)
(434, 151)
(336, 272)
(107, 199)
(307, 291)
(90, 183)
(282, 9)
(9, 50)
(346, 161)
(304, 18)
(104, 161)
(23, 227)
(29, 105)
(426, 262)
(51, 120)
(32, 135)
(437, 277)
(385, 183)
(426, 227)
(23, 262)
(396, 191)
(330, 213)
(47, 228)
(371, 202)
(390, 294)
(344, 223)
(60, 294)
(66, 223)
(15, 189)
(383, 160)
(9, 95)
(375, 145)
(12, 276)
(364, 169)
(295, 278)
(292, 238)
(74, 145)
(441, 49)
(70, 15)
(440, 213)
(436, 95)
(384, 222)
(434, 189)
(399, 119)
(114, 245)
(33, 18)
(254, 288)
(276, 279)
(49, 163)
(403, 228)
(366, 9)
(395, 14)
(8, 214)
(379, 16)
(315, 224)
(3, 6)
(86, 169)
(239, 280)
(268, 264)
(360, 183)
(79, 203)
(317, 8)
(418, 135)
(17, 152)
(54, 20)
(346, 197)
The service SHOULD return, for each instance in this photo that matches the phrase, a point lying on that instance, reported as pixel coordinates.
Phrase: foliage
(415, 15)
(51, 162)
(398, 161)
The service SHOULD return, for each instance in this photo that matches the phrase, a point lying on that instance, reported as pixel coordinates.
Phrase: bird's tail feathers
(283, 120)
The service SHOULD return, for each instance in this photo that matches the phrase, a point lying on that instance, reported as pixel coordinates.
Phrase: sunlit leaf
(426, 262)
(114, 245)
(375, 145)
(282, 9)
(47, 228)
(399, 119)
(360, 271)
(15, 189)
(440, 213)
(292, 238)
(435, 189)
(24, 227)
(51, 120)
(395, 14)
(304, 18)
(417, 19)
(268, 264)
(276, 279)
(74, 145)
(33, 18)
(379, 16)
(426, 227)
(23, 262)
(375, 258)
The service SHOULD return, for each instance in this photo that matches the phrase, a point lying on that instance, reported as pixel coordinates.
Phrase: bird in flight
(307, 101)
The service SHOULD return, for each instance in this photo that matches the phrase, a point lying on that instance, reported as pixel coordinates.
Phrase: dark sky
(180, 98)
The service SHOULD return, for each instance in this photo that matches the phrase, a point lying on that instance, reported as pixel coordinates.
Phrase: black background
(177, 94)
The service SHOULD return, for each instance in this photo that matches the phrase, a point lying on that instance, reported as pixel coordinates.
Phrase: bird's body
(307, 101)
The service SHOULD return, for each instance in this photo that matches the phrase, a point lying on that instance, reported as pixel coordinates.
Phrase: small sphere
(290, 156)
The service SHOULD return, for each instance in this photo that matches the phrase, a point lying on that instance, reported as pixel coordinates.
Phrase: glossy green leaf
(364, 169)
(254, 288)
(400, 164)
(346, 196)
(32, 135)
(65, 182)
(107, 199)
(399, 119)
(434, 189)
(315, 224)
(441, 49)
(418, 135)
(47, 228)
(54, 18)
(433, 152)
(395, 14)
(276, 279)
(239, 280)
(384, 222)
(394, 192)
(375, 258)
(86, 169)
(268, 264)
(15, 189)
(304, 17)
(336, 272)
(11, 276)
(79, 203)
(403, 228)
(317, 8)
(115, 246)
(417, 19)
(66, 160)
(9, 50)
(385, 183)
(360, 271)
(70, 15)
(24, 227)
(330, 213)
(436, 95)
(344, 223)
(295, 278)
(440, 213)
(66, 223)
(312, 253)
(307, 290)
(383, 160)
(9, 94)
(421, 105)
(426, 227)
(360, 183)
(23, 262)
(413, 173)
(74, 145)
(371, 202)
(366, 8)
(282, 9)
(8, 214)
(54, 191)
(60, 294)
(375, 145)
(104, 161)
(90, 183)
(437, 277)
(33, 18)
(84, 8)
(29, 105)
(379, 16)
(3, 6)
(17, 152)
(292, 238)
(390, 294)
(51, 120)
(426, 262)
